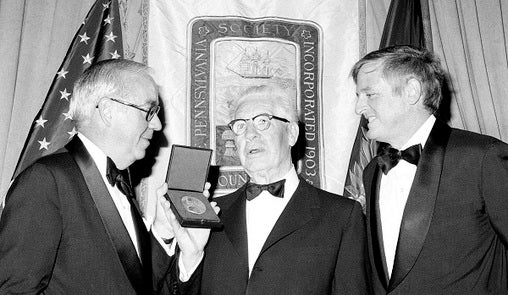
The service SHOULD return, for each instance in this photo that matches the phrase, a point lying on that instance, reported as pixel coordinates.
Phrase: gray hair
(103, 79)
(284, 100)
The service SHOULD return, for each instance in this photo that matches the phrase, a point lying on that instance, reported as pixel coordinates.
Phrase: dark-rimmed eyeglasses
(261, 122)
(150, 113)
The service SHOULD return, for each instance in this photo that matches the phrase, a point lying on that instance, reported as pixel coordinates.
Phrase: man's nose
(360, 105)
(155, 123)
(250, 130)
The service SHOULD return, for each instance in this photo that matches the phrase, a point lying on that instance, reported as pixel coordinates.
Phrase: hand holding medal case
(186, 178)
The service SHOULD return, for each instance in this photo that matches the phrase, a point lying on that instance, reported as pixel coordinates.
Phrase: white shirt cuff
(186, 274)
(170, 250)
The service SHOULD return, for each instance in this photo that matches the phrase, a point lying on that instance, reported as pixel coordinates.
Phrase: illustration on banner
(230, 54)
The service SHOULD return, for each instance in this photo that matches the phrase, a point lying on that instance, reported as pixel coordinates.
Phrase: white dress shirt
(393, 194)
(122, 204)
(263, 212)
(124, 208)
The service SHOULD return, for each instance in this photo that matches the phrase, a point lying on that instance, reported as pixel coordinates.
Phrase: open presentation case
(186, 177)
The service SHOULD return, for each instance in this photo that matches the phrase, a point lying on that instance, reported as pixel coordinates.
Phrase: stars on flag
(54, 126)
(110, 37)
(62, 73)
(40, 122)
(115, 55)
(105, 5)
(65, 94)
(84, 38)
(87, 59)
(67, 116)
(43, 144)
(108, 20)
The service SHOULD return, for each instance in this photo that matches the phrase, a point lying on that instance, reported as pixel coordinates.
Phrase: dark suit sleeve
(494, 188)
(163, 269)
(30, 230)
(192, 286)
(350, 271)
(166, 273)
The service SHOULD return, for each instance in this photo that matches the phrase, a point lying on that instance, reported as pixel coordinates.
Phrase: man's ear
(413, 91)
(293, 131)
(105, 111)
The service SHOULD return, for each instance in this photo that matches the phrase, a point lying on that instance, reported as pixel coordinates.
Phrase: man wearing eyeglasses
(281, 235)
(71, 224)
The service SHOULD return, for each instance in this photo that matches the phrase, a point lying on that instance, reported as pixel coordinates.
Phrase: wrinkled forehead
(371, 74)
(142, 89)
(255, 104)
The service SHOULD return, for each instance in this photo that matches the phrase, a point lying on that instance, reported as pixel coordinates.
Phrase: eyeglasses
(261, 122)
(150, 113)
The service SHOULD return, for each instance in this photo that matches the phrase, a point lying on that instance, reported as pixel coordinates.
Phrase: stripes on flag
(98, 38)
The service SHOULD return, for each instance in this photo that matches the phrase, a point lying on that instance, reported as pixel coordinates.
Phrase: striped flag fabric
(98, 38)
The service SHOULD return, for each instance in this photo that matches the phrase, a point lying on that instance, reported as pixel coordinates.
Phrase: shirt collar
(421, 135)
(292, 182)
(96, 153)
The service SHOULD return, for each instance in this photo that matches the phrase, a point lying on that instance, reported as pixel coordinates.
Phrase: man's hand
(160, 223)
(155, 213)
(192, 241)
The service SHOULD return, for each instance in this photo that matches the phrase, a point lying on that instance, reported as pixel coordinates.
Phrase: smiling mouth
(369, 118)
(254, 151)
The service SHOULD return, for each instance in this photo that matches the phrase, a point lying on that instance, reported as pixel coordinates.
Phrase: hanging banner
(206, 53)
(228, 55)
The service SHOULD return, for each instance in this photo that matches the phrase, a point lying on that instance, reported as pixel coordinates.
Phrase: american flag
(98, 38)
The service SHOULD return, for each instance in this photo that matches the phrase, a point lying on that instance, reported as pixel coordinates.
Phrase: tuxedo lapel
(236, 228)
(374, 229)
(420, 203)
(297, 213)
(109, 214)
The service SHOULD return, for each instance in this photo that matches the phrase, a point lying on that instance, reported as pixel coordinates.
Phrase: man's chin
(140, 154)
(255, 166)
(371, 135)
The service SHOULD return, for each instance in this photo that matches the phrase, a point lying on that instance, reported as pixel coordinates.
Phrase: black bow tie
(118, 178)
(389, 157)
(275, 188)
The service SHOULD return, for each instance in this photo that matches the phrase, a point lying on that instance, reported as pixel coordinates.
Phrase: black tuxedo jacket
(454, 231)
(317, 246)
(54, 240)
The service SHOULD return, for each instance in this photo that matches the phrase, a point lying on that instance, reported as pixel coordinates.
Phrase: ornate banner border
(228, 54)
